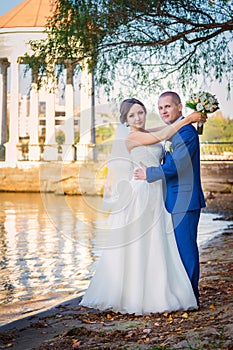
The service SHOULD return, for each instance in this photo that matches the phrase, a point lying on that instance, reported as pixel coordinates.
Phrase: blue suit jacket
(181, 173)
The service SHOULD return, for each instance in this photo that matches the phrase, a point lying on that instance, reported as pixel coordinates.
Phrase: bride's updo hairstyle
(125, 107)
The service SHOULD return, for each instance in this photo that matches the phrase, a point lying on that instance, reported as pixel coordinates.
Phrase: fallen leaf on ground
(88, 321)
(170, 319)
(76, 344)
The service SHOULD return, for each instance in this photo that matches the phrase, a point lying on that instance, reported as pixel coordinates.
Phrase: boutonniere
(168, 147)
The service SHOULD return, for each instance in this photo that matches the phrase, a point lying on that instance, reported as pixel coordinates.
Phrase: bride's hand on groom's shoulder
(140, 173)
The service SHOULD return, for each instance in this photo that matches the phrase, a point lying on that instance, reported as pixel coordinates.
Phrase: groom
(181, 177)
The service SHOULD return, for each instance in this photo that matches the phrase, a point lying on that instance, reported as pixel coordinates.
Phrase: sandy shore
(69, 326)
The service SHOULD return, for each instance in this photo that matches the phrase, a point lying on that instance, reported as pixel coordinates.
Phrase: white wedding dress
(140, 270)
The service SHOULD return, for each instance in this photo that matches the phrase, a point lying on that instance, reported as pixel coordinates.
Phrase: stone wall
(217, 177)
(59, 178)
(75, 178)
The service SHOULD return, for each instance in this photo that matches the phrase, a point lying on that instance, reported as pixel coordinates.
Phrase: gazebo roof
(29, 13)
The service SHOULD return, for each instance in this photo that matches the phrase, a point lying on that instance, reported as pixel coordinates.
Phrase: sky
(226, 104)
(8, 5)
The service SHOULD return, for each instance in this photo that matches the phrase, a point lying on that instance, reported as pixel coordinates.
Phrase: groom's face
(169, 111)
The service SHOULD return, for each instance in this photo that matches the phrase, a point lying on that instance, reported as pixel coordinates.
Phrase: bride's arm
(158, 128)
(138, 138)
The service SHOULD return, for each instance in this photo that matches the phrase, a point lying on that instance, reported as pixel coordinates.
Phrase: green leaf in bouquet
(190, 105)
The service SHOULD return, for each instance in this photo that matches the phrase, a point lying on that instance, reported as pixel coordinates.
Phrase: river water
(49, 247)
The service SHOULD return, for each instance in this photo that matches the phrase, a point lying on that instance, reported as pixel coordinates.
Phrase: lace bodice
(150, 155)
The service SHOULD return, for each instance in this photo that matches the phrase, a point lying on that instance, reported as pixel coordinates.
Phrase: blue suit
(183, 195)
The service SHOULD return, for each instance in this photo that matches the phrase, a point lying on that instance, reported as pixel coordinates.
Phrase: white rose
(199, 107)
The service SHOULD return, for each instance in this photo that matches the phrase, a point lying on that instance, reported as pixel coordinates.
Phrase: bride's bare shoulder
(130, 143)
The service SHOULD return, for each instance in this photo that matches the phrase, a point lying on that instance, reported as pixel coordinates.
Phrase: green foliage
(76, 136)
(104, 132)
(60, 137)
(218, 129)
(143, 41)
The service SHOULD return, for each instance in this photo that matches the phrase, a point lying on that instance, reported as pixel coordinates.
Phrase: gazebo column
(83, 147)
(50, 147)
(11, 146)
(34, 148)
(67, 149)
(4, 64)
(23, 118)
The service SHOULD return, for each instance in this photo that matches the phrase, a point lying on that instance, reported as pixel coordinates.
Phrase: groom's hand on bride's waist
(140, 173)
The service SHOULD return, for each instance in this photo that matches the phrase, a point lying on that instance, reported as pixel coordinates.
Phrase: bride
(140, 270)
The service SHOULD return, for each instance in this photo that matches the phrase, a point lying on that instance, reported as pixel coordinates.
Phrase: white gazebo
(23, 23)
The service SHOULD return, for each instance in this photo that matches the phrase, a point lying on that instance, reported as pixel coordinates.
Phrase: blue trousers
(185, 226)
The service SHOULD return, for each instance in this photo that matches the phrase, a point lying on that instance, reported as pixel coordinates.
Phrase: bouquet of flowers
(202, 102)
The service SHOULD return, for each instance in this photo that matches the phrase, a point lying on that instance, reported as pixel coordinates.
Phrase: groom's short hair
(175, 97)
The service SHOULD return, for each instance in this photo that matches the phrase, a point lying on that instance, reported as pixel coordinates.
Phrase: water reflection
(49, 248)
(46, 249)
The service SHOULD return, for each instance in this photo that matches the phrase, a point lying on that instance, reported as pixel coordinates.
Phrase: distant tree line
(218, 129)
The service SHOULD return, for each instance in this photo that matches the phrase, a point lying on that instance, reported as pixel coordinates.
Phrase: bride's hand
(197, 117)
